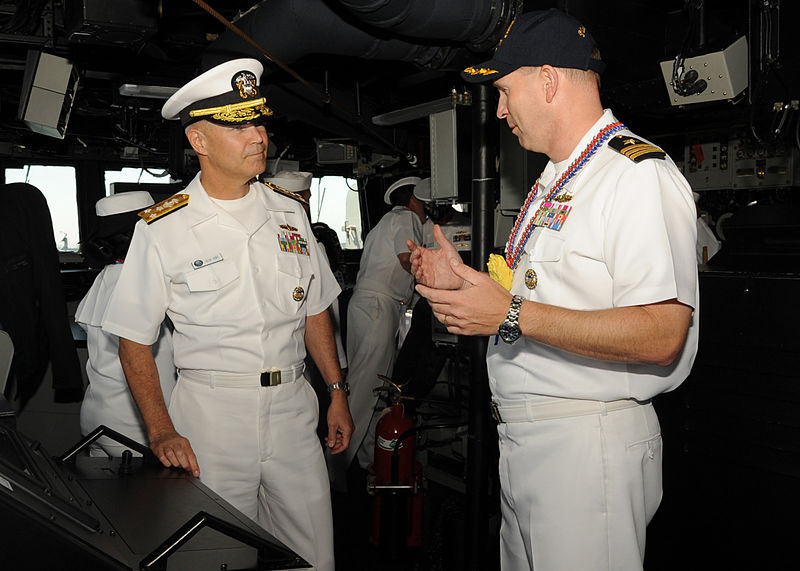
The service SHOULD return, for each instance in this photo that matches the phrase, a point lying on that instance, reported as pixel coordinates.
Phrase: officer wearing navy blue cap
(235, 266)
(591, 311)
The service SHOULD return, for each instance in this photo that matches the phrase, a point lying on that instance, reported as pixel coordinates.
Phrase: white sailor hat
(423, 190)
(293, 181)
(133, 201)
(409, 180)
(227, 94)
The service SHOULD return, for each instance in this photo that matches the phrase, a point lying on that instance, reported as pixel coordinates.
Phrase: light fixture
(149, 91)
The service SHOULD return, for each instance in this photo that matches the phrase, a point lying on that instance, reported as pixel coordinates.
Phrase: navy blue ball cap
(540, 37)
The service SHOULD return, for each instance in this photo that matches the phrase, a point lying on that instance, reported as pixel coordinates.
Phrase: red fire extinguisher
(397, 487)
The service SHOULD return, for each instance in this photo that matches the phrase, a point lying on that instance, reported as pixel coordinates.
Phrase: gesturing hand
(433, 267)
(476, 309)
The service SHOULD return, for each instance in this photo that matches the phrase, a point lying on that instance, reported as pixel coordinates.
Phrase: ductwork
(426, 33)
(370, 29)
(475, 23)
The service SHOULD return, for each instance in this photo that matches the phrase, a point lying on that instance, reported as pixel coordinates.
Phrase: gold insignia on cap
(245, 82)
(480, 71)
(582, 31)
(531, 279)
(164, 207)
(236, 112)
(288, 227)
(500, 43)
(298, 294)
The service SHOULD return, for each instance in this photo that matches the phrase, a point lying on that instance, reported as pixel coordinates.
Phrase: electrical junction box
(764, 166)
(451, 155)
(725, 73)
(737, 163)
(706, 165)
(117, 23)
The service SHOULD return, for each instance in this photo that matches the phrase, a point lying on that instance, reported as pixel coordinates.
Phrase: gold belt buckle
(495, 408)
(270, 378)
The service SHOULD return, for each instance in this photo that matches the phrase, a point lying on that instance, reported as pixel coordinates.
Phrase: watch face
(509, 332)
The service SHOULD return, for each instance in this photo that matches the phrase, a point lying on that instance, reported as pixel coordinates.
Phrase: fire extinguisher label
(385, 444)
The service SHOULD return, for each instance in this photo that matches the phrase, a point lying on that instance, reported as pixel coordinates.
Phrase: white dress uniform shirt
(237, 305)
(622, 244)
(628, 240)
(108, 400)
(238, 297)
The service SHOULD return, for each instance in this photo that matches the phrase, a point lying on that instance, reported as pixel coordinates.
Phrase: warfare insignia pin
(288, 227)
(298, 294)
(531, 279)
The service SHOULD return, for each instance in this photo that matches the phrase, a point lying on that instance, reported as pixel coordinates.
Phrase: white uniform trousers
(257, 447)
(578, 492)
(372, 323)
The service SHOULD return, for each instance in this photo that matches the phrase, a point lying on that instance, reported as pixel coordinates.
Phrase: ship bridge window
(57, 183)
(136, 176)
(334, 201)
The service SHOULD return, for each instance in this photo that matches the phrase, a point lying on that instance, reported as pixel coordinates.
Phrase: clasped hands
(466, 301)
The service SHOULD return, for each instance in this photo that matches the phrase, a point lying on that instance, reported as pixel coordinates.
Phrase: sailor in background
(235, 266)
(384, 288)
(299, 182)
(107, 400)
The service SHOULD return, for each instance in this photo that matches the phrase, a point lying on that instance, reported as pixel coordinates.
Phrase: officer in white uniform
(107, 400)
(234, 265)
(601, 267)
(299, 183)
(384, 288)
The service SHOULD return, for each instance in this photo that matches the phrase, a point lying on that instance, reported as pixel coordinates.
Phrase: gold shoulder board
(171, 204)
(635, 149)
(284, 192)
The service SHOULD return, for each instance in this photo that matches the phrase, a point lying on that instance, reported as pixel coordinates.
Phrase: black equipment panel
(79, 512)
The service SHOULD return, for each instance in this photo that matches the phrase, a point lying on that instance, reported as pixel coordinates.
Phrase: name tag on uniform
(293, 243)
(197, 264)
(552, 215)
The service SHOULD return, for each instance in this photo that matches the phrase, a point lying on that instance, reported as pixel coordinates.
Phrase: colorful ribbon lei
(513, 252)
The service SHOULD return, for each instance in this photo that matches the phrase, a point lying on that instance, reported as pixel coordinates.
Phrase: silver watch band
(340, 386)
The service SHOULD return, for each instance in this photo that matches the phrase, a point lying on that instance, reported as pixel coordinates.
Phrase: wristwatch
(340, 386)
(509, 330)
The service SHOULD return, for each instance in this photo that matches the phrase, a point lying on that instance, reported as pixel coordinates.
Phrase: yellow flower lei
(499, 270)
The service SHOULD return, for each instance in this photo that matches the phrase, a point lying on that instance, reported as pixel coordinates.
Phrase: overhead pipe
(468, 22)
(291, 29)
(286, 30)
